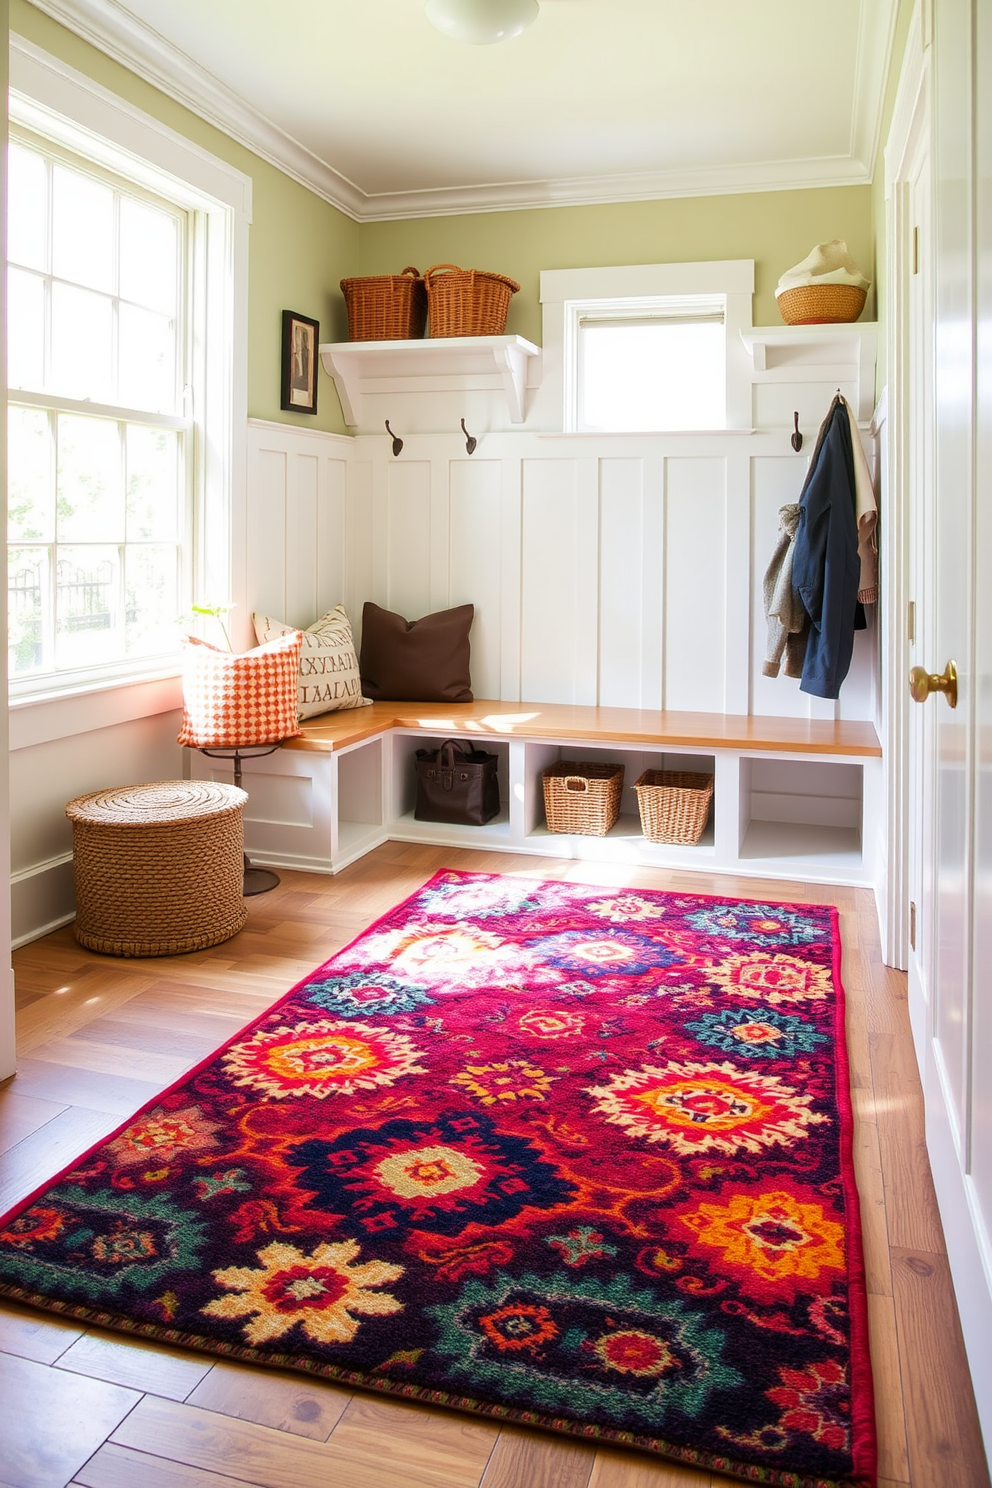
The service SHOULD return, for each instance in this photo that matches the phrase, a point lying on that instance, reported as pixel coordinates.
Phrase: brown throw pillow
(424, 661)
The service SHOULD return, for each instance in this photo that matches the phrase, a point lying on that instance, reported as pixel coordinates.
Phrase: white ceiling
(600, 100)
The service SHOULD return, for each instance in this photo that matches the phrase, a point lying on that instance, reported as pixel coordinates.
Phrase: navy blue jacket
(826, 570)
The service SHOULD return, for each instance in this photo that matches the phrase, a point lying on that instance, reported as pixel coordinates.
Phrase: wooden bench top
(330, 731)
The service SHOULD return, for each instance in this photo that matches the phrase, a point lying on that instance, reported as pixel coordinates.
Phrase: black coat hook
(797, 438)
(397, 441)
(471, 442)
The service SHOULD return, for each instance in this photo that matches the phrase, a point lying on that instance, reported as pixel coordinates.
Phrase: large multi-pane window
(98, 435)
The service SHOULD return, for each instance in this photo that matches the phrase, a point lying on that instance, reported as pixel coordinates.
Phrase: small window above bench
(647, 348)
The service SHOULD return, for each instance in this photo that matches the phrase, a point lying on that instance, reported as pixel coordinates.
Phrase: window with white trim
(99, 488)
(648, 348)
(128, 315)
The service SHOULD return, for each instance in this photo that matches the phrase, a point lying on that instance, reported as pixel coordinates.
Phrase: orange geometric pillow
(232, 699)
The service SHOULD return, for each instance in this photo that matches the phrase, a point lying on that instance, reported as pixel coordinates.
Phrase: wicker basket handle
(410, 270)
(576, 783)
(437, 268)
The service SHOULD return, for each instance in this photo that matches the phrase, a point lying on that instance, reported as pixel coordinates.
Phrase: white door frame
(910, 121)
(7, 1048)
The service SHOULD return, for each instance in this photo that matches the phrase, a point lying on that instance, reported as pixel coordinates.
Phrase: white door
(6, 976)
(952, 970)
(980, 1143)
(951, 604)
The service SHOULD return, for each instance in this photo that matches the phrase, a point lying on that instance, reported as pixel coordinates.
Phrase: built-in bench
(794, 798)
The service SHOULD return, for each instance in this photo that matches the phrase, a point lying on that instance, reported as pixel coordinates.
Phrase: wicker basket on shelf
(467, 302)
(821, 304)
(674, 804)
(386, 307)
(581, 797)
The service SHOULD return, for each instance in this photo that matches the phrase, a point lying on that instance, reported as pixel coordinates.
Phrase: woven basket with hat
(467, 302)
(826, 288)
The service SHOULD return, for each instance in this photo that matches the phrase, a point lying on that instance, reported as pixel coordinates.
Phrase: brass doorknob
(922, 683)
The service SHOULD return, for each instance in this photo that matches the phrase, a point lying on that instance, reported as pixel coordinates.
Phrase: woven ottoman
(158, 867)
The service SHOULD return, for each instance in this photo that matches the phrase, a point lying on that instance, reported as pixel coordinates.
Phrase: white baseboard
(42, 898)
(968, 1249)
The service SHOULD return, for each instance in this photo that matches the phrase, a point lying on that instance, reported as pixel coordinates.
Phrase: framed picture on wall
(300, 335)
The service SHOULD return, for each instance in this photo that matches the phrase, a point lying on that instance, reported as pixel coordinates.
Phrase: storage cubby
(403, 786)
(359, 797)
(802, 809)
(626, 832)
(793, 798)
(289, 816)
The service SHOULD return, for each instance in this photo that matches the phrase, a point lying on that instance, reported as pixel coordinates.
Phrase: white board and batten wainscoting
(612, 570)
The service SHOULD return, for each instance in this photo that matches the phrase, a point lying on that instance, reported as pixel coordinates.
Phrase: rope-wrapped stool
(158, 867)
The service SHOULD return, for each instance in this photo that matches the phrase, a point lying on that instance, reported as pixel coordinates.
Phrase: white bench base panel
(794, 816)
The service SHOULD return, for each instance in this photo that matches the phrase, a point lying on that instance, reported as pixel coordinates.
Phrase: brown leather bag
(457, 784)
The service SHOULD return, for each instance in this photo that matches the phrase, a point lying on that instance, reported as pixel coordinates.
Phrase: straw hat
(827, 263)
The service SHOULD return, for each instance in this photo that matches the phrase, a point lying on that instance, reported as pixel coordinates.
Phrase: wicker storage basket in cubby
(386, 307)
(674, 804)
(582, 797)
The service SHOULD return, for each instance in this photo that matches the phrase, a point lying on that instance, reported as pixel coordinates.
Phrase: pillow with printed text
(329, 677)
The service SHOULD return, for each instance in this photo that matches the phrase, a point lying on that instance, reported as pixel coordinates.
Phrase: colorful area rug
(571, 1156)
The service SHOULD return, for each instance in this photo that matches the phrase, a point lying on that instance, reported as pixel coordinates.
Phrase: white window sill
(44, 717)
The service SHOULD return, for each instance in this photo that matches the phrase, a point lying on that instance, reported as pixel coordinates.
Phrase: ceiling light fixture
(481, 22)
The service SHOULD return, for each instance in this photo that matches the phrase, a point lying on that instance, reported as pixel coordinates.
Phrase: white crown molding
(110, 28)
(106, 25)
(876, 35)
(581, 191)
(909, 110)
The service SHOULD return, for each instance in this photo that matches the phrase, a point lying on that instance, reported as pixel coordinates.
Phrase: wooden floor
(101, 1036)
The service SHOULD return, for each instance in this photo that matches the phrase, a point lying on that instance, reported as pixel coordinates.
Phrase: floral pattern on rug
(561, 1154)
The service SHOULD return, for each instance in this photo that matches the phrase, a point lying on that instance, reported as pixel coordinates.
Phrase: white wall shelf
(809, 352)
(443, 364)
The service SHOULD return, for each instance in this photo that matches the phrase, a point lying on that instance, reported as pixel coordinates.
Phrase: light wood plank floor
(99, 1036)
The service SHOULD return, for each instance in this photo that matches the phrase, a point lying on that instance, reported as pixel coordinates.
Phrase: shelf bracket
(346, 380)
(511, 363)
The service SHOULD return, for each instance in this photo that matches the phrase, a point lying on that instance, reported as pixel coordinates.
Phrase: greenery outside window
(128, 341)
(99, 505)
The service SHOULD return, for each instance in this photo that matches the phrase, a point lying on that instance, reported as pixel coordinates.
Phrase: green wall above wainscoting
(775, 228)
(299, 245)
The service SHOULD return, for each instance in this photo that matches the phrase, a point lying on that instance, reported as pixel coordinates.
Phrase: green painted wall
(775, 228)
(300, 247)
